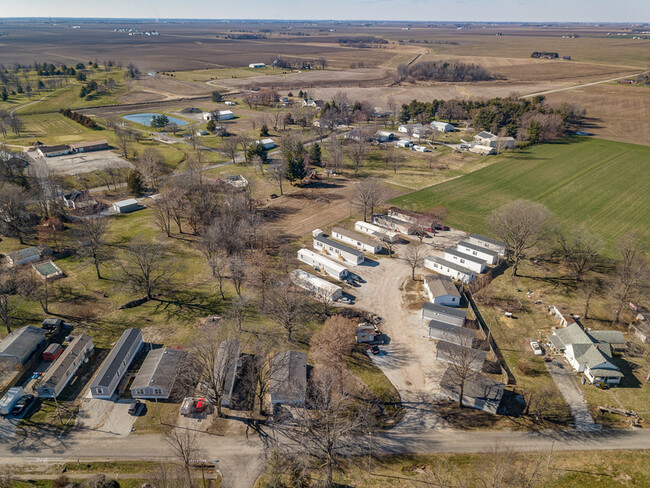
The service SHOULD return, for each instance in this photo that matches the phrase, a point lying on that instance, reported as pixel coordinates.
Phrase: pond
(145, 119)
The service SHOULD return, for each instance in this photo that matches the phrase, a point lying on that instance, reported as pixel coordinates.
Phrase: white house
(116, 364)
(376, 231)
(448, 315)
(316, 285)
(257, 65)
(337, 250)
(313, 103)
(322, 263)
(157, 375)
(442, 126)
(441, 290)
(475, 264)
(488, 139)
(266, 143)
(488, 243)
(66, 365)
(126, 206)
(448, 268)
(491, 257)
(360, 242)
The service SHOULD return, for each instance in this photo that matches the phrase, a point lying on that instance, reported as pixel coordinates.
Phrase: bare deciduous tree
(462, 359)
(632, 271)
(277, 173)
(368, 194)
(91, 231)
(185, 447)
(152, 166)
(124, 139)
(580, 249)
(146, 266)
(15, 219)
(215, 255)
(8, 289)
(337, 154)
(357, 151)
(394, 161)
(287, 308)
(229, 148)
(414, 256)
(521, 224)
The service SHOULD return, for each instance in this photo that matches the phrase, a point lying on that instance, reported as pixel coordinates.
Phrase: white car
(537, 349)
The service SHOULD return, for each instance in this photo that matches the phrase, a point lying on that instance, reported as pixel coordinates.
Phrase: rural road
(574, 87)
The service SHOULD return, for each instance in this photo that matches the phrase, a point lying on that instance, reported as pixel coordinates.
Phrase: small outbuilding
(157, 375)
(27, 255)
(126, 206)
(47, 270)
(441, 290)
(267, 143)
(257, 65)
(52, 352)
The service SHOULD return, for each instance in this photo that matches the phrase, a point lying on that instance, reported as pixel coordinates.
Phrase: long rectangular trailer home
(322, 263)
(490, 256)
(475, 264)
(393, 224)
(316, 285)
(377, 231)
(337, 250)
(447, 268)
(356, 240)
(488, 243)
(448, 315)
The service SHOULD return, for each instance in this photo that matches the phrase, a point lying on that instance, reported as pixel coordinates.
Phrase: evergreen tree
(264, 131)
(4, 95)
(134, 183)
(256, 149)
(211, 126)
(315, 155)
(216, 96)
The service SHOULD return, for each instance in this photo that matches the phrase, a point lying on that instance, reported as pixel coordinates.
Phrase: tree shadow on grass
(187, 305)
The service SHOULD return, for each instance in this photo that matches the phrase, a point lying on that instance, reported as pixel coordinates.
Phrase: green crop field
(601, 183)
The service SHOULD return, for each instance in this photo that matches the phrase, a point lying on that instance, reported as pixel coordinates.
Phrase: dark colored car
(22, 404)
(135, 407)
(442, 227)
(374, 349)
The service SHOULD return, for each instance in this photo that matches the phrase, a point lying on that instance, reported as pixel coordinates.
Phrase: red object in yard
(52, 352)
(200, 405)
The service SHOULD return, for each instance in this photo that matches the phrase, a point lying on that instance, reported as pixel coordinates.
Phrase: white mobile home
(442, 126)
(266, 143)
(256, 65)
(404, 143)
(110, 374)
(448, 315)
(338, 251)
(158, 373)
(471, 262)
(441, 290)
(442, 331)
(393, 224)
(490, 256)
(376, 231)
(360, 242)
(316, 285)
(488, 243)
(126, 206)
(450, 269)
(63, 369)
(322, 263)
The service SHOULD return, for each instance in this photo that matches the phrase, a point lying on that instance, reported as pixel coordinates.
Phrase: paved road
(568, 386)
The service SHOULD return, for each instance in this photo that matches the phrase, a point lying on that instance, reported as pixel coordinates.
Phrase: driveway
(105, 417)
(566, 382)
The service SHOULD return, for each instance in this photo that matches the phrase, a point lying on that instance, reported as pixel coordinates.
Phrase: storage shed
(322, 263)
(52, 352)
(266, 143)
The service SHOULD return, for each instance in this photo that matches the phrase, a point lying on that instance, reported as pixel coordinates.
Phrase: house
(288, 381)
(480, 149)
(63, 369)
(452, 353)
(471, 262)
(589, 352)
(404, 143)
(257, 65)
(488, 255)
(266, 143)
(442, 331)
(441, 290)
(563, 317)
(360, 242)
(316, 285)
(116, 364)
(384, 136)
(442, 126)
(52, 151)
(47, 270)
(313, 103)
(409, 128)
(52, 352)
(448, 315)
(393, 224)
(376, 231)
(27, 255)
(77, 199)
(20, 344)
(126, 206)
(449, 268)
(367, 333)
(322, 263)
(337, 250)
(488, 139)
(227, 368)
(89, 146)
(479, 391)
(236, 181)
(158, 373)
(488, 243)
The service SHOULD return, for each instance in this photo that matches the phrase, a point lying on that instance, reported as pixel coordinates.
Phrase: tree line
(79, 118)
(449, 71)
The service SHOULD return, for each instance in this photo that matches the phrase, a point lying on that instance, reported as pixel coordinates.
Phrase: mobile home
(322, 263)
(360, 242)
(338, 251)
(475, 264)
(488, 243)
(376, 231)
(488, 255)
(448, 268)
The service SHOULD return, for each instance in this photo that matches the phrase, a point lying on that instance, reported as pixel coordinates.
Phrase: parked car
(37, 375)
(345, 300)
(548, 359)
(200, 405)
(135, 407)
(374, 349)
(537, 349)
(442, 227)
(22, 404)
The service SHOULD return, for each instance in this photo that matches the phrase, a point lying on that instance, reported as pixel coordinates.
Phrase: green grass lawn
(601, 183)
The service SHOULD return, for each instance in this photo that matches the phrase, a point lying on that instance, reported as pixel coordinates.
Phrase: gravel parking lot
(84, 162)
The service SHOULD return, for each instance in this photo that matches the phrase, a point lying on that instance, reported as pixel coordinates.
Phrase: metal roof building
(433, 311)
(20, 344)
(158, 373)
(110, 374)
(288, 385)
(441, 290)
(63, 369)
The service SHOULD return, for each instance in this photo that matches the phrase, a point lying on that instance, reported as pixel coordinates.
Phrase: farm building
(257, 65)
(288, 382)
(77, 199)
(338, 250)
(475, 264)
(488, 139)
(489, 256)
(451, 353)
(360, 242)
(53, 151)
(442, 126)
(316, 285)
(267, 143)
(479, 391)
(450, 269)
(20, 344)
(488, 243)
(448, 315)
(89, 146)
(126, 206)
(441, 290)
(375, 230)
(52, 352)
(63, 369)
(227, 367)
(219, 115)
(158, 373)
(113, 368)
(393, 224)
(322, 263)
(27, 255)
(442, 331)
(47, 270)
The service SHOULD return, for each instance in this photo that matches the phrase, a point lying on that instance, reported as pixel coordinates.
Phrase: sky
(425, 10)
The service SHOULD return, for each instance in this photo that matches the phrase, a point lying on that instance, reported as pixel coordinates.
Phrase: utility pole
(369, 455)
